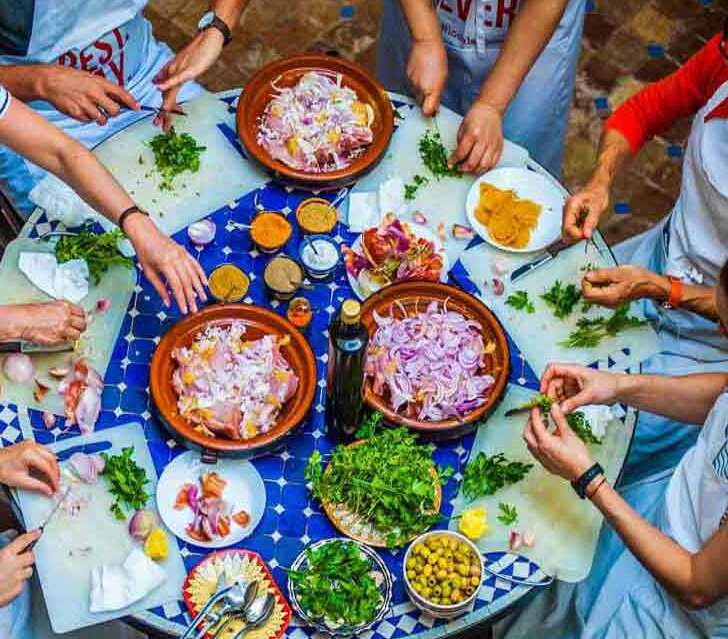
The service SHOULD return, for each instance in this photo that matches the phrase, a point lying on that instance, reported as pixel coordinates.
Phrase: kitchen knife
(30, 348)
(552, 250)
(42, 527)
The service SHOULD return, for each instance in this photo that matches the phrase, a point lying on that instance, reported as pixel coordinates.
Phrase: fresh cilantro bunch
(336, 585)
(175, 153)
(127, 482)
(576, 420)
(434, 155)
(521, 302)
(386, 480)
(100, 250)
(562, 298)
(589, 332)
(487, 474)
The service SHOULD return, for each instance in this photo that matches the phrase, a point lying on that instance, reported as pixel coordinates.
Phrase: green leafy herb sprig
(100, 250)
(487, 474)
(521, 302)
(589, 332)
(562, 298)
(576, 420)
(175, 153)
(336, 586)
(386, 481)
(410, 190)
(508, 514)
(434, 155)
(127, 481)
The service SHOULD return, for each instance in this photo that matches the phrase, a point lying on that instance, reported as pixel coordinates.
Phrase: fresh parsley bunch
(175, 153)
(434, 155)
(127, 482)
(521, 302)
(336, 586)
(562, 298)
(386, 480)
(576, 420)
(100, 250)
(487, 474)
(589, 332)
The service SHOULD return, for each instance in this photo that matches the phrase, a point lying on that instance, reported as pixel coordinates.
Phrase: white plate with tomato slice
(210, 505)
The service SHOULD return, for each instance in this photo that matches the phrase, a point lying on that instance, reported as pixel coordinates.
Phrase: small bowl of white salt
(320, 256)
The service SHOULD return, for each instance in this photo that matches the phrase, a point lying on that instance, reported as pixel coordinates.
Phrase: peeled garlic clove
(18, 368)
(529, 539)
(58, 372)
(498, 287)
(460, 232)
(49, 420)
(202, 233)
(419, 218)
(515, 541)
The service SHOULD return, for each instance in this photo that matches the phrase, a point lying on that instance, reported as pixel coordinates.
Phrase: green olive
(427, 570)
(431, 581)
(437, 590)
(432, 559)
(441, 575)
(456, 596)
(455, 581)
(463, 569)
(442, 562)
(446, 589)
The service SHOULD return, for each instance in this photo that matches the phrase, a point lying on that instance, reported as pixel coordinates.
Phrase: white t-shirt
(4, 100)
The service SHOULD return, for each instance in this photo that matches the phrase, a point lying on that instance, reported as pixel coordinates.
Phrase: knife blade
(551, 251)
(28, 347)
(42, 527)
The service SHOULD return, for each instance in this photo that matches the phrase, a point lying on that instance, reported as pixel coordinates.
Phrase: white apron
(110, 38)
(473, 32)
(692, 243)
(620, 599)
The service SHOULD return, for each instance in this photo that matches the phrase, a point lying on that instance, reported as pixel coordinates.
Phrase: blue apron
(473, 32)
(126, 54)
(620, 599)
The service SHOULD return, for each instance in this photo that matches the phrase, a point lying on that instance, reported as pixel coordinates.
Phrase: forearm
(422, 20)
(9, 327)
(696, 299)
(229, 11)
(25, 82)
(614, 153)
(686, 399)
(528, 36)
(668, 562)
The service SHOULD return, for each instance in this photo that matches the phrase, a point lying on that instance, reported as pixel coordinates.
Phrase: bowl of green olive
(443, 571)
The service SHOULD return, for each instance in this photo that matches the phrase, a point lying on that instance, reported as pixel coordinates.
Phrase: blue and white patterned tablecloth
(292, 519)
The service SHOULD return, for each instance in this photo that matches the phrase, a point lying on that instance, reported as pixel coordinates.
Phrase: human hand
(572, 386)
(192, 61)
(480, 139)
(82, 95)
(163, 260)
(427, 73)
(16, 566)
(47, 324)
(562, 453)
(21, 464)
(613, 287)
(582, 212)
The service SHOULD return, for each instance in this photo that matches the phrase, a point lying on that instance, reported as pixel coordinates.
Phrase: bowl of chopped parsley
(340, 587)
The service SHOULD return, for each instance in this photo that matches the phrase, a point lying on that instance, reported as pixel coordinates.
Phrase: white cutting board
(63, 561)
(538, 335)
(223, 175)
(443, 200)
(117, 284)
(566, 528)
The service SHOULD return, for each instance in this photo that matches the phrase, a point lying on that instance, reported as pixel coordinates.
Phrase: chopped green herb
(387, 481)
(127, 482)
(100, 250)
(520, 301)
(411, 189)
(562, 298)
(485, 474)
(589, 267)
(434, 155)
(336, 585)
(175, 153)
(141, 160)
(589, 332)
(508, 514)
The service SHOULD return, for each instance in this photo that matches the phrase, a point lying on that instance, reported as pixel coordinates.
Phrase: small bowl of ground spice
(270, 231)
(299, 313)
(227, 283)
(316, 215)
(283, 276)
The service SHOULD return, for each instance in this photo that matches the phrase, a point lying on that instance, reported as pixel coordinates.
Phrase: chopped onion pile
(429, 365)
(230, 386)
(316, 126)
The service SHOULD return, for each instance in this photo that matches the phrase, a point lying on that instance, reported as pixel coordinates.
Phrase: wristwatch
(211, 21)
(673, 300)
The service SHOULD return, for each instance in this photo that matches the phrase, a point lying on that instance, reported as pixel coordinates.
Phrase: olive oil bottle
(347, 350)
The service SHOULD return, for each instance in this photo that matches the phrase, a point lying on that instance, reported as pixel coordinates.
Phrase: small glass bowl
(318, 272)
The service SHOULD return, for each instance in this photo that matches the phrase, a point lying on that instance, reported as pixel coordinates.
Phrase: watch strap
(128, 212)
(219, 24)
(580, 483)
(673, 300)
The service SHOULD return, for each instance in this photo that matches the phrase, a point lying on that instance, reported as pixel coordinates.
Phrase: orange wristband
(673, 300)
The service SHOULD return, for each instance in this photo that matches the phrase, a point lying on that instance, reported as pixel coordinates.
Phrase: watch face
(206, 20)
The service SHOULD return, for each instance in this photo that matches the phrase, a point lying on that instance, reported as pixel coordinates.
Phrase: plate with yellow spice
(514, 209)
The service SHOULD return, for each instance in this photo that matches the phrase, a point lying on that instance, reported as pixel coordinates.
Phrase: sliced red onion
(202, 233)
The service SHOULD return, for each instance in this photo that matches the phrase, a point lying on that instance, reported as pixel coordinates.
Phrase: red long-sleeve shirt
(655, 108)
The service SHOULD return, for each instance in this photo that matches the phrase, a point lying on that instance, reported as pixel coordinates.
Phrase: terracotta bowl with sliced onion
(266, 84)
(407, 299)
(258, 323)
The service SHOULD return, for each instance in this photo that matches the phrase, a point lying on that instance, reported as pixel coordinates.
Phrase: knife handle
(11, 347)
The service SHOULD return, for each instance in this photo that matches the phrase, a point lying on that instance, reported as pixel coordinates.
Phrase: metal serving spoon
(237, 600)
(228, 596)
(220, 591)
(257, 614)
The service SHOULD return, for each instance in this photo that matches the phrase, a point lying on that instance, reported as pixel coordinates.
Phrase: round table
(292, 519)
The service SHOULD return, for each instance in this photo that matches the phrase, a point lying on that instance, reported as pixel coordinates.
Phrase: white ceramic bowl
(437, 610)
